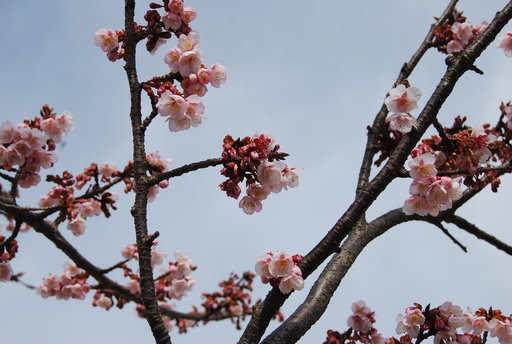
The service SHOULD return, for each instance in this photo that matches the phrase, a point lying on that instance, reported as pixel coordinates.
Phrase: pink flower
(402, 122)
(463, 31)
(188, 14)
(423, 166)
(250, 205)
(290, 176)
(416, 205)
(219, 75)
(261, 266)
(454, 46)
(410, 322)
(204, 75)
(362, 317)
(402, 99)
(292, 281)
(172, 105)
(176, 6)
(171, 58)
(258, 191)
(171, 21)
(7, 132)
(107, 40)
(104, 302)
(133, 286)
(130, 251)
(190, 62)
(269, 174)
(281, 264)
(106, 169)
(189, 42)
(77, 226)
(501, 329)
(506, 44)
(90, 208)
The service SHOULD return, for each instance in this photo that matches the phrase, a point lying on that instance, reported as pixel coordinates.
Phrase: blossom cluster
(430, 193)
(77, 210)
(281, 270)
(185, 109)
(185, 61)
(454, 36)
(401, 101)
(176, 280)
(448, 320)
(256, 160)
(234, 298)
(71, 283)
(29, 145)
(506, 44)
(446, 323)
(461, 153)
(361, 328)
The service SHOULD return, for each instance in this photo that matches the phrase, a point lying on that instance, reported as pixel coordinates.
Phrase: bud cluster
(255, 160)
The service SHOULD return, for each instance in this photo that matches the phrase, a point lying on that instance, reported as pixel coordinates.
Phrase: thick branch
(139, 209)
(372, 190)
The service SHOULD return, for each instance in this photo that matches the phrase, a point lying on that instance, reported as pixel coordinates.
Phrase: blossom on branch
(280, 270)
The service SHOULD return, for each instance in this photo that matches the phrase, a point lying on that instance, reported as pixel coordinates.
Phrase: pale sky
(314, 74)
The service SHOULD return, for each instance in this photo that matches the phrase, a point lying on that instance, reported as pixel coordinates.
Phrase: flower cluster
(77, 210)
(185, 61)
(71, 283)
(256, 160)
(506, 44)
(30, 144)
(461, 153)
(233, 300)
(429, 192)
(185, 109)
(401, 101)
(175, 280)
(281, 270)
(445, 321)
(455, 35)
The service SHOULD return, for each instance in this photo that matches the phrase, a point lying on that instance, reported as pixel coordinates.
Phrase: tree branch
(480, 234)
(368, 192)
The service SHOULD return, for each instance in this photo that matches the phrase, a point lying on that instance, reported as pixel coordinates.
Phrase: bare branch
(480, 234)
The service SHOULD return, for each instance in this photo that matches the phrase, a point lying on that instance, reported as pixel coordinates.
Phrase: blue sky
(312, 73)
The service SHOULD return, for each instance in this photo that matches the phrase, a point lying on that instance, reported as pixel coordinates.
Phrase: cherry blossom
(172, 105)
(250, 205)
(410, 322)
(403, 99)
(506, 44)
(402, 122)
(77, 226)
(281, 264)
(107, 40)
(219, 75)
(362, 317)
